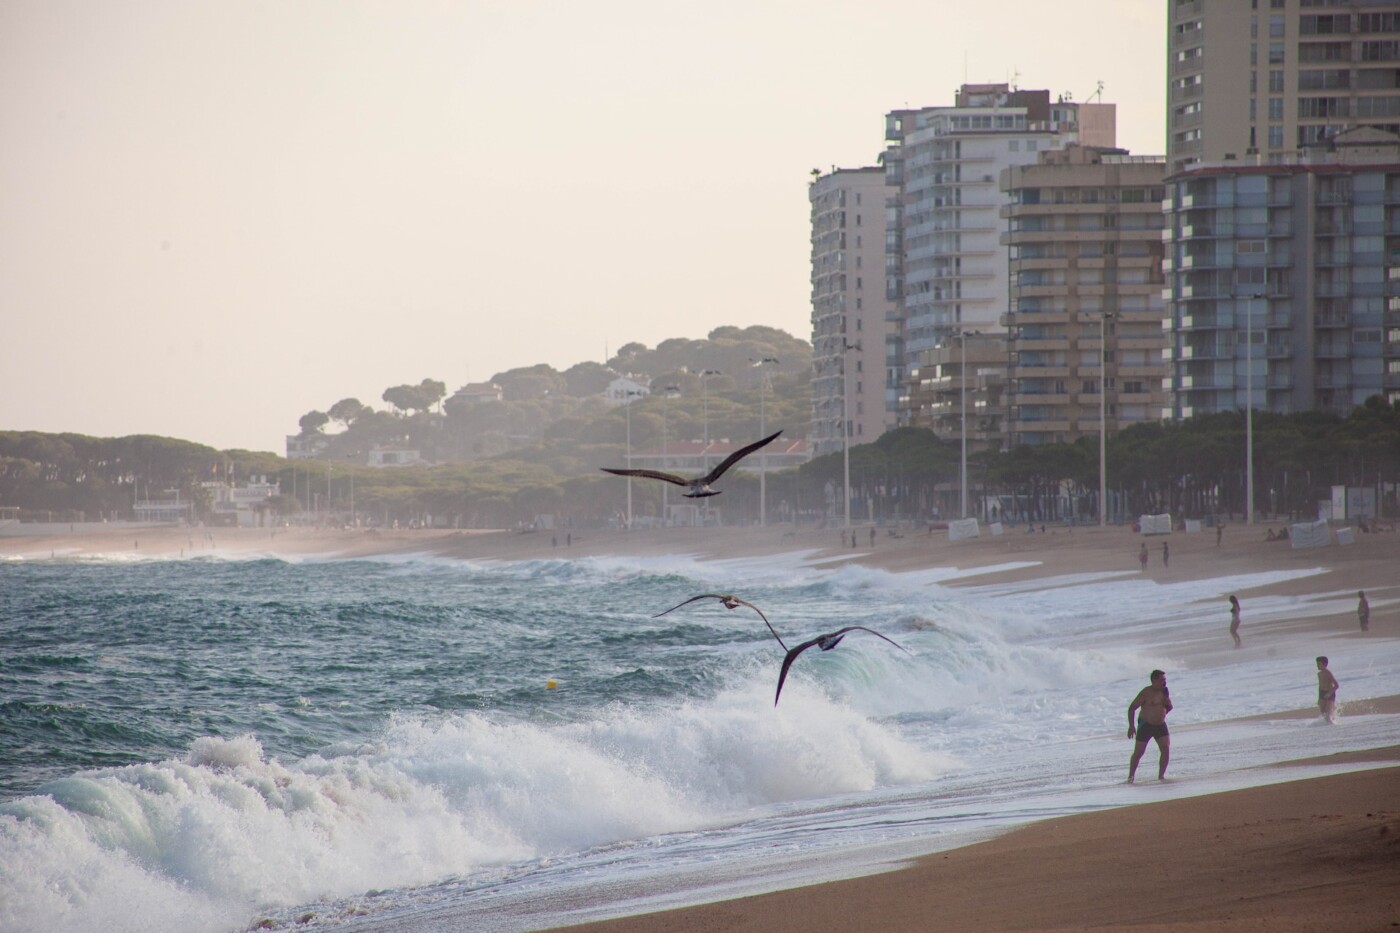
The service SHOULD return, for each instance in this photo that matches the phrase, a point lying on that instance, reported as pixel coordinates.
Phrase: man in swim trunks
(1152, 704)
(1326, 692)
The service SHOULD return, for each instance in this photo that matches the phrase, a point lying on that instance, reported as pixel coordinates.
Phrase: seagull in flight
(699, 487)
(729, 602)
(826, 643)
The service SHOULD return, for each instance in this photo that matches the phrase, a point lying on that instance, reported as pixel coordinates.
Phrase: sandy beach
(1318, 853)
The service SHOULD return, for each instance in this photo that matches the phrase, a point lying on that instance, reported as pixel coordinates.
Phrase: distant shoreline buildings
(1041, 285)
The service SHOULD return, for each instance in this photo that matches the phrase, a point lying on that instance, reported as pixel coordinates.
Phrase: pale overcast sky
(216, 216)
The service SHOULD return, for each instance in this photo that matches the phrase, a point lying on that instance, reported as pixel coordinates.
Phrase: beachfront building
(1284, 280)
(1083, 229)
(960, 384)
(1257, 82)
(855, 336)
(946, 266)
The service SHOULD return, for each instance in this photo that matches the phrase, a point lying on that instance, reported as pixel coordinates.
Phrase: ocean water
(210, 744)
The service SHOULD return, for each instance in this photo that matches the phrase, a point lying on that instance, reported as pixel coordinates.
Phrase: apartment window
(1275, 108)
(1319, 79)
(1275, 53)
(1276, 27)
(1387, 50)
(1276, 82)
(1014, 145)
(1378, 22)
(1325, 52)
(1324, 24)
(1320, 107)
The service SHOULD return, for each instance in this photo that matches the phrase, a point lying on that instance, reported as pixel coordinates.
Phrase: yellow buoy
(551, 684)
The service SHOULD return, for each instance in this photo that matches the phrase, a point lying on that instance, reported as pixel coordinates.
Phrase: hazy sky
(217, 216)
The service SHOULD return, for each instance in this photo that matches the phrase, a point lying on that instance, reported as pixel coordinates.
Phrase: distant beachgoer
(1166, 555)
(569, 539)
(1326, 691)
(1363, 611)
(1155, 702)
(1219, 534)
(1235, 620)
(553, 540)
(872, 537)
(1142, 557)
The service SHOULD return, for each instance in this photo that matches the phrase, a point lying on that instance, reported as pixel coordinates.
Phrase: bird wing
(763, 617)
(736, 456)
(787, 663)
(650, 474)
(852, 628)
(736, 599)
(691, 600)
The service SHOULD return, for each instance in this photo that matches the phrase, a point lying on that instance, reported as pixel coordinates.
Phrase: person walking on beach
(1142, 557)
(1363, 611)
(1326, 692)
(1235, 620)
(1152, 704)
(1166, 556)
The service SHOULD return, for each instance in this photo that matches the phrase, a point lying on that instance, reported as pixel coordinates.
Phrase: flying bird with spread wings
(729, 602)
(826, 643)
(699, 487)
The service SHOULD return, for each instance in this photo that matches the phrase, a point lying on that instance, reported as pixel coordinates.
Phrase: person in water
(1326, 691)
(1152, 704)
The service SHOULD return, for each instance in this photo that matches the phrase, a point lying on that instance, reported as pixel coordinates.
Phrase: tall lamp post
(667, 393)
(762, 432)
(962, 336)
(1249, 407)
(705, 403)
(846, 347)
(629, 394)
(1103, 417)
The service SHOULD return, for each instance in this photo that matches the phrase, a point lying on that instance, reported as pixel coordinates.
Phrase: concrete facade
(854, 325)
(1284, 281)
(1084, 231)
(1257, 81)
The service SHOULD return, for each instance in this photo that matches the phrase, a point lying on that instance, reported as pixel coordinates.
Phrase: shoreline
(1296, 855)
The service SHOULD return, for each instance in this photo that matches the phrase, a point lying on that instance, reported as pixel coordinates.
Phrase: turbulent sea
(213, 744)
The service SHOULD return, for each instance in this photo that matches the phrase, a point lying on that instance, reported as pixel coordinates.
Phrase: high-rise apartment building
(854, 326)
(1084, 323)
(945, 263)
(1260, 80)
(1284, 280)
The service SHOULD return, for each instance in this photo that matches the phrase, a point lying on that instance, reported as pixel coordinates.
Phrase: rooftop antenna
(1098, 93)
(1015, 78)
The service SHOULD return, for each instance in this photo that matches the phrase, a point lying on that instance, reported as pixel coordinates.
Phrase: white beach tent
(1155, 524)
(962, 528)
(1310, 534)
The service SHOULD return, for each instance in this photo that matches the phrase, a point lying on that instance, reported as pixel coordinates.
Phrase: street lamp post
(667, 394)
(705, 451)
(629, 395)
(762, 432)
(846, 426)
(962, 336)
(1103, 417)
(1249, 407)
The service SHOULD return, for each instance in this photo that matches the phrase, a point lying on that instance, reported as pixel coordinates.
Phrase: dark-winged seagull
(729, 602)
(699, 487)
(826, 643)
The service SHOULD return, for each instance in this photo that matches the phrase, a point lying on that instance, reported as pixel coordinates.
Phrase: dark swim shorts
(1147, 731)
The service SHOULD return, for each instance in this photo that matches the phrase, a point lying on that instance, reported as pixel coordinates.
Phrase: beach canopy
(1155, 524)
(1310, 534)
(963, 528)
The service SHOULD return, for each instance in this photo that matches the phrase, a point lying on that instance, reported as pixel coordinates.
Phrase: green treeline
(1192, 468)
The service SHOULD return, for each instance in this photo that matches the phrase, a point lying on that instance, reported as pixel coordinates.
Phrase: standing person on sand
(1235, 620)
(1166, 555)
(1155, 702)
(1142, 557)
(1219, 533)
(1363, 611)
(1326, 692)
